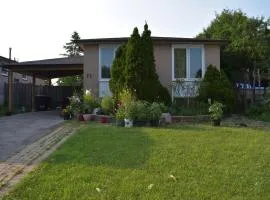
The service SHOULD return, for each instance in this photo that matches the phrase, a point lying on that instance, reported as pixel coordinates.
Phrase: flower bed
(195, 118)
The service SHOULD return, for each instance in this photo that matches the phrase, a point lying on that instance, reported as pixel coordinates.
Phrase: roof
(55, 61)
(50, 68)
(7, 60)
(154, 38)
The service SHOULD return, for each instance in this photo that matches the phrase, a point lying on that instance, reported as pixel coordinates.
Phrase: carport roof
(50, 68)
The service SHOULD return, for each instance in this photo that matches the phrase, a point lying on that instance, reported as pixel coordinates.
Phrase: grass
(180, 162)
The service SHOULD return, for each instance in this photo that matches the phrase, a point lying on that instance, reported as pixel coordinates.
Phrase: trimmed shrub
(107, 104)
(217, 87)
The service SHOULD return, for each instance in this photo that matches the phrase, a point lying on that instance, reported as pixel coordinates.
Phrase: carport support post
(33, 92)
(10, 90)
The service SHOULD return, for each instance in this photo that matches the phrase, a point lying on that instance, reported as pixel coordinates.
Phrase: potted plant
(107, 105)
(155, 113)
(66, 114)
(120, 116)
(127, 101)
(129, 113)
(141, 113)
(89, 103)
(216, 113)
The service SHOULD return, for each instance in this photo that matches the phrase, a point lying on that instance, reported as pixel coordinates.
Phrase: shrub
(89, 102)
(217, 87)
(75, 105)
(216, 111)
(130, 110)
(142, 111)
(155, 111)
(126, 97)
(194, 107)
(107, 104)
(120, 114)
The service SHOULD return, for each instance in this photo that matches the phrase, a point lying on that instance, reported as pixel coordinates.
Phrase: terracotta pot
(103, 120)
(80, 117)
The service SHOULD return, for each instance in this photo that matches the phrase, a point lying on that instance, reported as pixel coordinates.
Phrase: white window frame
(188, 47)
(101, 46)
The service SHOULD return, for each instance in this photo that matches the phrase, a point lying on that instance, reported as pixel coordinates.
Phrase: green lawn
(207, 163)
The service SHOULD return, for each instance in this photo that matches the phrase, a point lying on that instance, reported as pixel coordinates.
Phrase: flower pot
(139, 123)
(120, 123)
(216, 122)
(80, 117)
(128, 123)
(86, 117)
(103, 120)
(154, 122)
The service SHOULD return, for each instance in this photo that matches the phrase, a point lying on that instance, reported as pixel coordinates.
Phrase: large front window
(187, 62)
(106, 57)
(106, 60)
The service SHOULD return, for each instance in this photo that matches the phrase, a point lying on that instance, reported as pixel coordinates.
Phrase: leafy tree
(248, 41)
(72, 49)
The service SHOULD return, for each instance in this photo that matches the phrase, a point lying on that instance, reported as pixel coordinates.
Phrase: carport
(44, 69)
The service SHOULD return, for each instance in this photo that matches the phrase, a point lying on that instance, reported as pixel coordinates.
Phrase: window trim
(101, 46)
(187, 47)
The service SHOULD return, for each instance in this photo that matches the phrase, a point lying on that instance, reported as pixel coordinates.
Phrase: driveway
(20, 130)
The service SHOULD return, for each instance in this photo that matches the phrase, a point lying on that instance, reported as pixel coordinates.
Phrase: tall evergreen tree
(133, 61)
(134, 68)
(117, 81)
(72, 49)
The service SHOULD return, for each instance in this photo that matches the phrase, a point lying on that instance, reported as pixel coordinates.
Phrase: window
(187, 62)
(4, 71)
(180, 63)
(24, 77)
(106, 60)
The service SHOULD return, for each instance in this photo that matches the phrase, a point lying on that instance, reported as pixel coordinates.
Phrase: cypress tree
(133, 61)
(117, 80)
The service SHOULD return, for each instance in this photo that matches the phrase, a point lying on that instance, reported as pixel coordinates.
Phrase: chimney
(10, 53)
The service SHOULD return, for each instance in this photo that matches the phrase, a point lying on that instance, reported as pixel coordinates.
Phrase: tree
(72, 49)
(134, 69)
(133, 62)
(248, 40)
(117, 81)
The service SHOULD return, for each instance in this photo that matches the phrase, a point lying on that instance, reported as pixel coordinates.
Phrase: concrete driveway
(20, 130)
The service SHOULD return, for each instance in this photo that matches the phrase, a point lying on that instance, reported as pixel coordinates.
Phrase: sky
(38, 29)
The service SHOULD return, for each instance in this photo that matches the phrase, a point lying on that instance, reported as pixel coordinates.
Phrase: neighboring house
(180, 62)
(17, 78)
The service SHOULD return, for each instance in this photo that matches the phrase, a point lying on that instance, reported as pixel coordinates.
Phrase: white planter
(128, 123)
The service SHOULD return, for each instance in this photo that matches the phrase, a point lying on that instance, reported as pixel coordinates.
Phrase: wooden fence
(22, 94)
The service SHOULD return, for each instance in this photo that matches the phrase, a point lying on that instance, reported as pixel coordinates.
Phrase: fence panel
(22, 94)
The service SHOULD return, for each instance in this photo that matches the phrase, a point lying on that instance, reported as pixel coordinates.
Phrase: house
(17, 77)
(180, 62)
